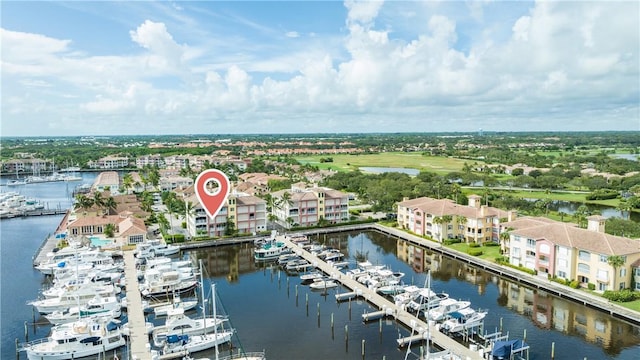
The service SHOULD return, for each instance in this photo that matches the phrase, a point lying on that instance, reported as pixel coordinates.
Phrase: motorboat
(165, 283)
(154, 247)
(103, 307)
(184, 304)
(391, 288)
(270, 251)
(463, 319)
(311, 276)
(446, 307)
(85, 337)
(426, 300)
(79, 298)
(179, 323)
(323, 283)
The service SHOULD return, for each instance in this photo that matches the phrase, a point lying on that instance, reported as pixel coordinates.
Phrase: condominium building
(443, 219)
(305, 207)
(110, 162)
(247, 213)
(563, 250)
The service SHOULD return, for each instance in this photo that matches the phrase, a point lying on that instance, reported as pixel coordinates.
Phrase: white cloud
(555, 55)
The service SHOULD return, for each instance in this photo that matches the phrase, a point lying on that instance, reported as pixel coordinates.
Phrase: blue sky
(178, 67)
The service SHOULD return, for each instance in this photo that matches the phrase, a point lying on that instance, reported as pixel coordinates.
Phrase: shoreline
(534, 282)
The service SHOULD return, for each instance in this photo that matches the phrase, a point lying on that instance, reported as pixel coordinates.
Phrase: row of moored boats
(85, 301)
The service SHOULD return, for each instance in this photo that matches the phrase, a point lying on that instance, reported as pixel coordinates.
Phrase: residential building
(563, 250)
(173, 182)
(110, 162)
(128, 230)
(305, 207)
(247, 213)
(443, 219)
(26, 166)
(155, 160)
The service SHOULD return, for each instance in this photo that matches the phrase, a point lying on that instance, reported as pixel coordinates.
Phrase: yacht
(323, 283)
(462, 319)
(446, 307)
(426, 300)
(98, 307)
(270, 251)
(85, 337)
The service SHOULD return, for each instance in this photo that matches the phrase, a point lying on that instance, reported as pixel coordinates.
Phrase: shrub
(502, 260)
(474, 245)
(625, 295)
(474, 252)
(574, 284)
(175, 238)
(490, 243)
(451, 241)
(591, 286)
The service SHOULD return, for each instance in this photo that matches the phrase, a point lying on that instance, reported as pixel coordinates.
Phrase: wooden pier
(139, 347)
(387, 307)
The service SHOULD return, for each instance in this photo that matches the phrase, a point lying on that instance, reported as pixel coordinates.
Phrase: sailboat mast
(215, 317)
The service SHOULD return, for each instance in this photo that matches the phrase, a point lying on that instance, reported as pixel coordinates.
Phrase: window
(561, 274)
(531, 242)
(603, 275)
(584, 268)
(584, 255)
(563, 263)
(603, 258)
(623, 272)
(563, 251)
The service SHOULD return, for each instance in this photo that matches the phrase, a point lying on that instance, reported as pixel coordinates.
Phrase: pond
(380, 170)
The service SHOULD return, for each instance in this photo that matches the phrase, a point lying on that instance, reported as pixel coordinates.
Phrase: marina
(324, 327)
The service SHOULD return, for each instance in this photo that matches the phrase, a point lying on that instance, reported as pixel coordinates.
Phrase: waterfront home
(128, 229)
(565, 251)
(308, 206)
(247, 213)
(443, 219)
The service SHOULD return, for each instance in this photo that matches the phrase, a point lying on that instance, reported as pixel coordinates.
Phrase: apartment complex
(563, 250)
(109, 162)
(443, 219)
(247, 213)
(302, 206)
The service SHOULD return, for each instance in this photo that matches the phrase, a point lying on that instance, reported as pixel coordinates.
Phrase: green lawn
(489, 253)
(342, 162)
(562, 196)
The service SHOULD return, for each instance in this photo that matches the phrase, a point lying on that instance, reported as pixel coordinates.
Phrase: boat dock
(139, 347)
(386, 307)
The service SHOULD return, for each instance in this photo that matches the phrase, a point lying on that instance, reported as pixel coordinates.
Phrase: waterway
(264, 309)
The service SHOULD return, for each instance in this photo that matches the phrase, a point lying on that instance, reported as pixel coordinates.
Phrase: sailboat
(179, 343)
(440, 355)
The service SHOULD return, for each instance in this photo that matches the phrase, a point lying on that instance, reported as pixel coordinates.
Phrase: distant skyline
(252, 67)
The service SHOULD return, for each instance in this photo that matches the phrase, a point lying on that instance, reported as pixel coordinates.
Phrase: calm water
(380, 170)
(264, 309)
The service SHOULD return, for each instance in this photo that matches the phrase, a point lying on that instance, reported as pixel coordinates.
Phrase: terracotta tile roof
(441, 207)
(569, 235)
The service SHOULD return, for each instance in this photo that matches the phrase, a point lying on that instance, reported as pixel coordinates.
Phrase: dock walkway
(401, 315)
(139, 347)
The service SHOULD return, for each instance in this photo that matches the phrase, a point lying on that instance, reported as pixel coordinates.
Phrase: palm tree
(505, 235)
(625, 208)
(98, 200)
(83, 202)
(109, 230)
(438, 222)
(615, 261)
(110, 204)
(562, 214)
(446, 219)
(127, 182)
(461, 220)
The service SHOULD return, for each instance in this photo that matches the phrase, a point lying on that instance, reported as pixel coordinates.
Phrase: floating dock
(404, 317)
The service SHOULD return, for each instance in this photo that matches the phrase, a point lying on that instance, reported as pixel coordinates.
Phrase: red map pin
(212, 189)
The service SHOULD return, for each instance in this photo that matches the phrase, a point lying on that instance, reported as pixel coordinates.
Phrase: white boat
(410, 293)
(270, 251)
(82, 338)
(462, 319)
(446, 307)
(426, 299)
(391, 288)
(103, 307)
(182, 339)
(187, 344)
(153, 248)
(79, 298)
(323, 283)
(311, 276)
(185, 305)
(165, 283)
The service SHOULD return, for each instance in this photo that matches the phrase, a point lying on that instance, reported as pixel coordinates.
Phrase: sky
(251, 67)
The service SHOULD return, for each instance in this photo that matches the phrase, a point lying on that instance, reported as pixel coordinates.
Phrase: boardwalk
(140, 347)
(404, 317)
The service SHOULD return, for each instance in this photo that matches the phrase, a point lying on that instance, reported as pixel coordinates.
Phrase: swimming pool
(96, 241)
